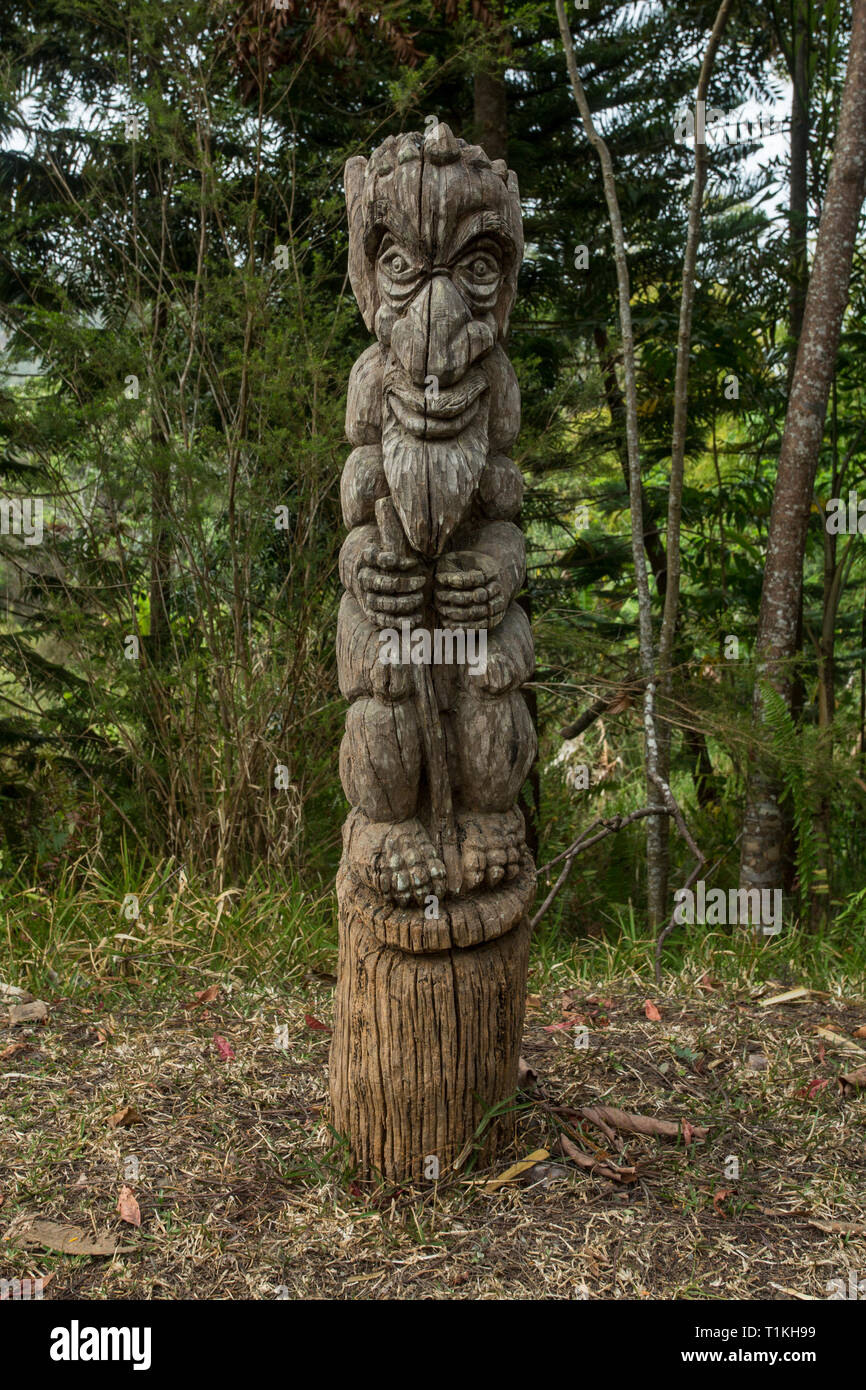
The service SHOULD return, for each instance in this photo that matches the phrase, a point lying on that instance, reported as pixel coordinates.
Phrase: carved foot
(490, 845)
(397, 861)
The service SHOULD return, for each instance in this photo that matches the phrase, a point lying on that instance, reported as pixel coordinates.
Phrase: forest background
(178, 332)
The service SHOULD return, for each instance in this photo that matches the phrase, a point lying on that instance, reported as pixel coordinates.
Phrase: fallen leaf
(69, 1240)
(128, 1208)
(204, 996)
(688, 1133)
(840, 1228)
(10, 992)
(314, 1023)
(28, 1013)
(812, 1089)
(637, 1124)
(721, 1196)
(601, 1167)
(860, 1032)
(854, 1081)
(790, 996)
(14, 1048)
(533, 1003)
(516, 1169)
(651, 1011)
(839, 1040)
(709, 983)
(125, 1116)
(223, 1047)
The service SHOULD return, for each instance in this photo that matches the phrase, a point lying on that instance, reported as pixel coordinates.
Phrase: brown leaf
(812, 1089)
(602, 1168)
(128, 1208)
(853, 1081)
(563, 1026)
(14, 1048)
(721, 1196)
(204, 996)
(840, 1228)
(709, 983)
(860, 1032)
(56, 1235)
(651, 1011)
(124, 1117)
(36, 1012)
(314, 1023)
(636, 1124)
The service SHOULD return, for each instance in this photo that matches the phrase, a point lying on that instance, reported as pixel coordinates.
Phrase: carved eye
(398, 265)
(480, 267)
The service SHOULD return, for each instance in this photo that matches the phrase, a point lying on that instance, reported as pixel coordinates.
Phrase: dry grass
(245, 1193)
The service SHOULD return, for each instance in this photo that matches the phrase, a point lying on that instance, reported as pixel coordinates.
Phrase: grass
(246, 1192)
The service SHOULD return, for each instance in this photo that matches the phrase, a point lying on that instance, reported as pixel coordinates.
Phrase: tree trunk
(160, 505)
(826, 300)
(491, 114)
(652, 541)
(798, 198)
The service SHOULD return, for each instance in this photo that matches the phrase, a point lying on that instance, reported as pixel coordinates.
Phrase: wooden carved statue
(435, 880)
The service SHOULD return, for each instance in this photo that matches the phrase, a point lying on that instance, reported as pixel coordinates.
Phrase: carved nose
(431, 339)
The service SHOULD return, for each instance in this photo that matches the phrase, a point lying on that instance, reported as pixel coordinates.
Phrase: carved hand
(467, 591)
(391, 587)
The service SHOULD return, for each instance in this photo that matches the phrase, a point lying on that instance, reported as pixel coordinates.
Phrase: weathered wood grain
(432, 650)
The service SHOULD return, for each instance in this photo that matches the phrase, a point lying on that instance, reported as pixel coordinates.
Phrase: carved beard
(432, 481)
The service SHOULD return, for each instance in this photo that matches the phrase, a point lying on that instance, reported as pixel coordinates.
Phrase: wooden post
(435, 881)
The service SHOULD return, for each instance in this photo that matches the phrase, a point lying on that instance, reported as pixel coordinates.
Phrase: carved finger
(476, 616)
(382, 619)
(466, 597)
(398, 603)
(391, 583)
(390, 560)
(461, 579)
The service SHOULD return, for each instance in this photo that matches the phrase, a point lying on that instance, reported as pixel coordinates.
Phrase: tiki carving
(435, 879)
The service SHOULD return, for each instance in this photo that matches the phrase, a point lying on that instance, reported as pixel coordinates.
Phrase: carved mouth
(438, 416)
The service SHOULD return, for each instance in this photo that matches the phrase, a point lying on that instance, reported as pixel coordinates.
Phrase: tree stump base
(428, 1025)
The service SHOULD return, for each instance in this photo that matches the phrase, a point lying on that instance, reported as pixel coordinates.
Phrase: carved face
(435, 247)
